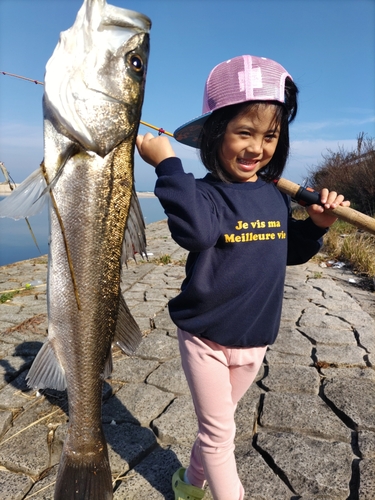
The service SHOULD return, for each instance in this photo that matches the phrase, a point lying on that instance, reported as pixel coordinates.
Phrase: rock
(14, 486)
(128, 444)
(158, 346)
(170, 377)
(356, 399)
(311, 466)
(367, 479)
(140, 403)
(301, 413)
(295, 379)
(172, 429)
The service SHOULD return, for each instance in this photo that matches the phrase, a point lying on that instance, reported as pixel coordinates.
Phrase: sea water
(16, 242)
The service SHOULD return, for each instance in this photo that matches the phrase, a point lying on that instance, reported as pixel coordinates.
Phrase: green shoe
(183, 491)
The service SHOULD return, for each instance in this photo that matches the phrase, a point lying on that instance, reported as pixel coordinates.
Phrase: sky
(328, 46)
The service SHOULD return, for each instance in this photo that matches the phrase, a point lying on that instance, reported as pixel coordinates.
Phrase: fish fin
(108, 367)
(84, 476)
(27, 199)
(46, 370)
(135, 234)
(128, 336)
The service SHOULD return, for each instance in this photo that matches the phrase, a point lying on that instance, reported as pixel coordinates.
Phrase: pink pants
(218, 377)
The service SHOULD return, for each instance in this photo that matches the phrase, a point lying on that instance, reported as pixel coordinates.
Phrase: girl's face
(249, 143)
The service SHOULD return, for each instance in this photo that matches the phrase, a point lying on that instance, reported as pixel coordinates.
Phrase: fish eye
(136, 62)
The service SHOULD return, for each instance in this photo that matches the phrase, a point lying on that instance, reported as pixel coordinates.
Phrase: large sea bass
(94, 88)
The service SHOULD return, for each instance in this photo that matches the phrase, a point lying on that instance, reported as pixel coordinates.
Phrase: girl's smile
(249, 143)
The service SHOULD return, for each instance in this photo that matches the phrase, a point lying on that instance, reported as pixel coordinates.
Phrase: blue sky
(328, 46)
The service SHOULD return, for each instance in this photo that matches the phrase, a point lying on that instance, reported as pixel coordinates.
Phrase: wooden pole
(308, 197)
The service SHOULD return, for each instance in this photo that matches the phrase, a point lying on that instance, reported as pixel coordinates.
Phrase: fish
(93, 96)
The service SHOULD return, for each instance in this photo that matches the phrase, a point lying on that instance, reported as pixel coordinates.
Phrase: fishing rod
(302, 195)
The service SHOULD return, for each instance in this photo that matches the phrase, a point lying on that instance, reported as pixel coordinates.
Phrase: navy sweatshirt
(240, 238)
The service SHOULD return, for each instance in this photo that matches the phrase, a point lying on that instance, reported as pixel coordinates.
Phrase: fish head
(95, 79)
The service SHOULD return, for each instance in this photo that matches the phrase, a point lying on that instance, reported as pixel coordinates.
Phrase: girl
(240, 235)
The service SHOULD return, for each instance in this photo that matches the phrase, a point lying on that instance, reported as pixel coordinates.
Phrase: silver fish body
(92, 108)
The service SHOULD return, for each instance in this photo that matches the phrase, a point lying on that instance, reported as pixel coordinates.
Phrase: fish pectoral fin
(128, 336)
(108, 367)
(27, 199)
(135, 234)
(46, 370)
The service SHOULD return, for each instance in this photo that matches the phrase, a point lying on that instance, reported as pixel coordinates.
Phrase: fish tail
(84, 477)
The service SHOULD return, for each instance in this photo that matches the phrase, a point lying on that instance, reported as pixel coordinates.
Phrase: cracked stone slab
(12, 366)
(148, 309)
(340, 356)
(366, 336)
(14, 486)
(171, 428)
(301, 413)
(312, 466)
(358, 319)
(291, 311)
(27, 452)
(329, 337)
(247, 413)
(170, 377)
(349, 373)
(163, 322)
(336, 305)
(158, 346)
(274, 357)
(314, 316)
(6, 418)
(45, 487)
(366, 443)
(16, 394)
(258, 479)
(367, 479)
(133, 369)
(136, 402)
(151, 479)
(291, 341)
(295, 379)
(355, 399)
(303, 291)
(128, 444)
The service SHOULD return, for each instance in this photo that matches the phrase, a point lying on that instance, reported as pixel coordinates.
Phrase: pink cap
(241, 79)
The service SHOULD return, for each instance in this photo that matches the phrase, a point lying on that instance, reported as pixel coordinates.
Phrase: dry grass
(345, 243)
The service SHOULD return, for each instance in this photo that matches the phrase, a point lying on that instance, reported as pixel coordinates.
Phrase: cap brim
(189, 133)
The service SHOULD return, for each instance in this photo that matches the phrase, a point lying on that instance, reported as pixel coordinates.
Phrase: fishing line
(159, 129)
(9, 180)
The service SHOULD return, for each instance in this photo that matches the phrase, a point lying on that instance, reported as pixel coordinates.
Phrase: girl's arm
(192, 216)
(329, 199)
(154, 150)
(305, 236)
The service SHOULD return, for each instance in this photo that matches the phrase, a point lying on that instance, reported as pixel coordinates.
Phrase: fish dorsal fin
(46, 370)
(135, 234)
(27, 199)
(128, 335)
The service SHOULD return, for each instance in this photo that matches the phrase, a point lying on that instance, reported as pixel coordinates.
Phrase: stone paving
(305, 429)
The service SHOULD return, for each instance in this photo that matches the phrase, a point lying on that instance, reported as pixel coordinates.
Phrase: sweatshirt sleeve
(192, 214)
(304, 240)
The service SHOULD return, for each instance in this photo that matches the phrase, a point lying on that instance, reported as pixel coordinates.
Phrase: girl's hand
(329, 199)
(154, 150)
